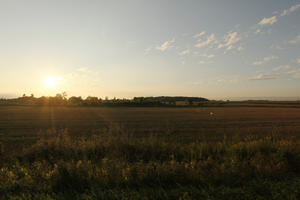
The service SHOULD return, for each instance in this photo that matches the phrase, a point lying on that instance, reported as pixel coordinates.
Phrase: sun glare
(51, 82)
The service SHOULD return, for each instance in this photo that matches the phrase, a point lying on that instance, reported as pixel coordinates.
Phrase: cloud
(258, 63)
(201, 62)
(232, 80)
(166, 45)
(240, 48)
(290, 10)
(257, 31)
(294, 74)
(296, 40)
(229, 40)
(268, 21)
(282, 67)
(208, 55)
(260, 77)
(221, 81)
(211, 39)
(265, 59)
(199, 34)
(185, 52)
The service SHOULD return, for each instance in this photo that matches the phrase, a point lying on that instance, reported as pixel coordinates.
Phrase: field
(149, 153)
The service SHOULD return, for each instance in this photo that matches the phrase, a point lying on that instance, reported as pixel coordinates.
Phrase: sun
(51, 82)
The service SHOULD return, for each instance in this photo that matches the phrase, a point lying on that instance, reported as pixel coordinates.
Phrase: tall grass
(118, 165)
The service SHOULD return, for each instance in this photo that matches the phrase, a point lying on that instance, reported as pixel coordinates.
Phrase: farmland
(149, 153)
(28, 121)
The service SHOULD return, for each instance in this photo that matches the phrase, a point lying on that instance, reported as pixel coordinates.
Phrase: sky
(126, 48)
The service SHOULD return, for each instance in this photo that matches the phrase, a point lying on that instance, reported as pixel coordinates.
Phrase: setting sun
(51, 82)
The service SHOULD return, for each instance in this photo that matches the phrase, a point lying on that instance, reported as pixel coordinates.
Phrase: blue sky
(214, 49)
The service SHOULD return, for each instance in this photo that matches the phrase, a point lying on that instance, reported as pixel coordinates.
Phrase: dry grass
(149, 153)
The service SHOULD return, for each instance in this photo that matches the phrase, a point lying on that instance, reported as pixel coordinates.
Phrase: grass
(188, 156)
(115, 165)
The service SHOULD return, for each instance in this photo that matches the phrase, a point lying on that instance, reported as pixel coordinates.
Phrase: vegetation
(62, 100)
(116, 165)
(161, 101)
(113, 153)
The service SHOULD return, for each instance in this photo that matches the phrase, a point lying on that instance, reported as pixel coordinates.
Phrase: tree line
(62, 99)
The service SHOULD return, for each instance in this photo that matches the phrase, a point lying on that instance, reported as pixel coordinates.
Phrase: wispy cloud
(265, 59)
(290, 10)
(257, 62)
(240, 48)
(207, 55)
(296, 40)
(260, 77)
(294, 74)
(199, 35)
(230, 80)
(166, 45)
(268, 21)
(282, 67)
(257, 31)
(184, 52)
(273, 19)
(201, 62)
(211, 39)
(229, 40)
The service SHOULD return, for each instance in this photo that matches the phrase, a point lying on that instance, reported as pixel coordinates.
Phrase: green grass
(117, 165)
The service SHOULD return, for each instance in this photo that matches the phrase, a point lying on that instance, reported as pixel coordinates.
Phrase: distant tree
(75, 100)
(64, 95)
(57, 100)
(91, 101)
(42, 101)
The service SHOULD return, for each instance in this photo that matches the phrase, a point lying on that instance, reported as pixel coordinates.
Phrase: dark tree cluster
(63, 100)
